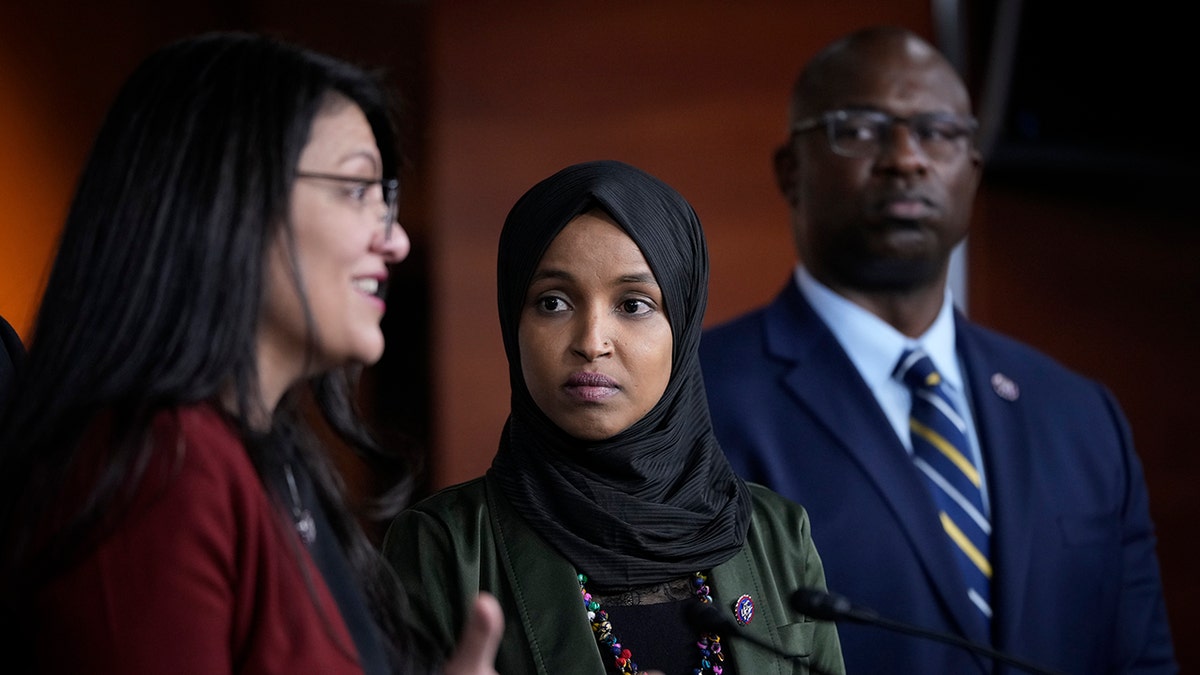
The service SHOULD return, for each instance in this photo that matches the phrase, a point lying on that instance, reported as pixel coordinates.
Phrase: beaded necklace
(709, 644)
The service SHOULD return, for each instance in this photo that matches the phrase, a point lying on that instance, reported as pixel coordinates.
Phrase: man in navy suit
(880, 171)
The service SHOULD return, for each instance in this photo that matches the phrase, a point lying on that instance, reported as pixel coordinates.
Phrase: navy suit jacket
(1076, 583)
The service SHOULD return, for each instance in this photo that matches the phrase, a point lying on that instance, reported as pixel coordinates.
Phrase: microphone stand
(825, 606)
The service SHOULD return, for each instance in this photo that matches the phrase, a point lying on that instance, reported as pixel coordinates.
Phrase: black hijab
(658, 500)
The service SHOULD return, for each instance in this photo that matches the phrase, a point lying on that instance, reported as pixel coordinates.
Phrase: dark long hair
(154, 296)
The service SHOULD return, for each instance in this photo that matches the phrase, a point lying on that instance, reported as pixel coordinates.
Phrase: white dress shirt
(875, 347)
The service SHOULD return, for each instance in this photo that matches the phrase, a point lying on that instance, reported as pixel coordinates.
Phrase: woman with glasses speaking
(166, 504)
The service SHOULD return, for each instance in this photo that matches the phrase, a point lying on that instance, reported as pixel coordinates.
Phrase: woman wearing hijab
(609, 512)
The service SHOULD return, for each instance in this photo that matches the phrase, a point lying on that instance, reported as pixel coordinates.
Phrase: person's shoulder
(12, 360)
(742, 333)
(467, 496)
(751, 329)
(11, 341)
(199, 477)
(777, 523)
(197, 425)
(195, 419)
(761, 494)
(196, 445)
(1017, 358)
(738, 323)
(770, 505)
(455, 513)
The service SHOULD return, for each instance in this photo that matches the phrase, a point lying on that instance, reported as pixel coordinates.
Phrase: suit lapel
(1001, 426)
(729, 580)
(546, 595)
(825, 382)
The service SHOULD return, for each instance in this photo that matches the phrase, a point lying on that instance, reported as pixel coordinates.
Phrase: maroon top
(202, 575)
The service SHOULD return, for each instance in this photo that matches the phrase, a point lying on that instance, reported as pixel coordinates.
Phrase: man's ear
(785, 172)
(977, 164)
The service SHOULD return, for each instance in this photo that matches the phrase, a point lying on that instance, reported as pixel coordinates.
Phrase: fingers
(476, 651)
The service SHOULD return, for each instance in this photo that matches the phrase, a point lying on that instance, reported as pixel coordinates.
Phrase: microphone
(825, 606)
(705, 618)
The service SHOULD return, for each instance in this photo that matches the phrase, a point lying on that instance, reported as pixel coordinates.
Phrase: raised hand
(476, 651)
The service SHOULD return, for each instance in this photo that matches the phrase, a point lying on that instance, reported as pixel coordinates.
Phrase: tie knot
(916, 370)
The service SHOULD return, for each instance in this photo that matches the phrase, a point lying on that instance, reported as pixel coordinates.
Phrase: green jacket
(467, 538)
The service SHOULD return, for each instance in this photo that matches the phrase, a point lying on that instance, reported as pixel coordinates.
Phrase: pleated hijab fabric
(659, 500)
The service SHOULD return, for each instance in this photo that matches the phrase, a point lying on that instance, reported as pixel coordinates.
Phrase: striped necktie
(942, 455)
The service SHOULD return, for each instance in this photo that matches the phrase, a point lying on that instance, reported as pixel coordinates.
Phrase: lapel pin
(743, 610)
(1004, 387)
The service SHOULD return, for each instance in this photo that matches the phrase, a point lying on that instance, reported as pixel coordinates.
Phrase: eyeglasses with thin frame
(390, 191)
(861, 134)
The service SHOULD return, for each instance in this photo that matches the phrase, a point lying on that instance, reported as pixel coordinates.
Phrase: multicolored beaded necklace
(709, 644)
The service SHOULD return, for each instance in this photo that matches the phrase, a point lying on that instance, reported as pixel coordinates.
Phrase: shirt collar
(872, 344)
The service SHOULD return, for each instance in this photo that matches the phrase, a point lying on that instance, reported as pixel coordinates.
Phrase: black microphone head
(826, 606)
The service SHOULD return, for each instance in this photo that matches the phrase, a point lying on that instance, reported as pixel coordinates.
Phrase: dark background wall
(1099, 271)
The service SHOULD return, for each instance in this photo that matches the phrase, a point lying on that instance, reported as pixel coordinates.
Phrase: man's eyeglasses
(390, 191)
(862, 133)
